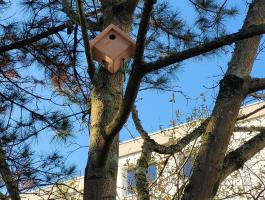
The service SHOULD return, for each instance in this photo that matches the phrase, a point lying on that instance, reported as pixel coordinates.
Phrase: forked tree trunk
(101, 170)
(203, 183)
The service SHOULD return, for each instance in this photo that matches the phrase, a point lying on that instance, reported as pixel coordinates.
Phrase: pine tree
(54, 35)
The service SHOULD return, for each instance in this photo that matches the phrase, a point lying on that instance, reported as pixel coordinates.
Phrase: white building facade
(168, 175)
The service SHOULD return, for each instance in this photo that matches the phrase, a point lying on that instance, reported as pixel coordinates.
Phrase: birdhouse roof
(110, 28)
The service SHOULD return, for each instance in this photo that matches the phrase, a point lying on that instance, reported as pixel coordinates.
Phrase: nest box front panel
(112, 45)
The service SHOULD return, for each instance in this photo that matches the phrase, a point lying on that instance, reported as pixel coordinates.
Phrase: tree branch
(24, 42)
(256, 84)
(67, 9)
(182, 143)
(132, 4)
(137, 74)
(249, 128)
(251, 31)
(135, 78)
(143, 28)
(141, 172)
(236, 159)
(258, 96)
(251, 113)
(171, 149)
(73, 16)
(138, 124)
(150, 145)
(84, 25)
(128, 100)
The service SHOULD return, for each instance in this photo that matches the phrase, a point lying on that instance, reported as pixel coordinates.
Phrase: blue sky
(194, 78)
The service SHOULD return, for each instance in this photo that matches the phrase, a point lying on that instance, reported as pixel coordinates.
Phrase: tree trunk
(100, 177)
(101, 171)
(204, 180)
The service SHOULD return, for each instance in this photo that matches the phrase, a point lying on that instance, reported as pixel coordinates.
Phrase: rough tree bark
(101, 170)
(233, 90)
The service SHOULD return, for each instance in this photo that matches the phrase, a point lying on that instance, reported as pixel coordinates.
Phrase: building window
(151, 173)
(131, 182)
(187, 167)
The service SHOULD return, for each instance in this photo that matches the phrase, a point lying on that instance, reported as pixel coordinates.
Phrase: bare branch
(251, 31)
(24, 42)
(151, 145)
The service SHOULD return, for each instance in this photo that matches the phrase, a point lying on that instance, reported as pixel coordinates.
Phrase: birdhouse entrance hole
(112, 37)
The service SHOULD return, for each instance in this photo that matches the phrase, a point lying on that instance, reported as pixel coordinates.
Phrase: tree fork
(101, 170)
(233, 90)
(209, 161)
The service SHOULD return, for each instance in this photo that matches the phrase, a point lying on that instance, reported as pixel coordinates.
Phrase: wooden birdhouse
(112, 46)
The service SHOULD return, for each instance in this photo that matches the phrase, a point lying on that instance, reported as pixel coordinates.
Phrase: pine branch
(143, 28)
(7, 176)
(70, 12)
(24, 42)
(84, 25)
(251, 31)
